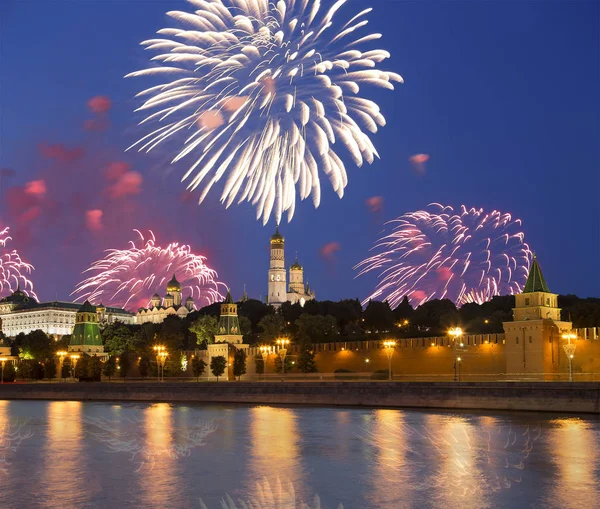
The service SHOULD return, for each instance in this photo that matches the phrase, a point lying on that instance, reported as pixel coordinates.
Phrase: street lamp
(73, 362)
(389, 347)
(161, 359)
(265, 351)
(570, 351)
(61, 358)
(282, 345)
(456, 333)
(3, 360)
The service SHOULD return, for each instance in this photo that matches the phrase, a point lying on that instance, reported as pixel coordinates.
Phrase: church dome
(277, 238)
(189, 299)
(173, 285)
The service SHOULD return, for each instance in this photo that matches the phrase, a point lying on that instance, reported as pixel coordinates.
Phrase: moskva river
(95, 455)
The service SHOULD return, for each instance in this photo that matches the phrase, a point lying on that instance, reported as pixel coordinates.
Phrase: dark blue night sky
(503, 96)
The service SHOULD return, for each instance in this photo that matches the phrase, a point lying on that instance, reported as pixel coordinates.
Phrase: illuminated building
(21, 313)
(86, 337)
(279, 293)
(170, 305)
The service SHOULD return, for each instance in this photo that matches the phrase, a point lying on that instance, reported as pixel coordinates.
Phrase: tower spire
(535, 280)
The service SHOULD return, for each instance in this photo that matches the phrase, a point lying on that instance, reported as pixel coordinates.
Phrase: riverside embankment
(577, 397)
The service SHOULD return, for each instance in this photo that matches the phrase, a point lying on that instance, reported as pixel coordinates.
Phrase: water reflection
(64, 457)
(158, 470)
(273, 449)
(391, 463)
(573, 443)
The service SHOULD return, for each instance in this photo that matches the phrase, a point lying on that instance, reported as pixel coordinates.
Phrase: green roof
(228, 299)
(535, 280)
(86, 307)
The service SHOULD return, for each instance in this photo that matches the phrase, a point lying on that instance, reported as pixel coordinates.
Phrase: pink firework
(128, 278)
(13, 270)
(467, 256)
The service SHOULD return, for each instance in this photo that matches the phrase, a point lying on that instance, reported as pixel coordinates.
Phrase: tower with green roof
(229, 324)
(533, 338)
(85, 337)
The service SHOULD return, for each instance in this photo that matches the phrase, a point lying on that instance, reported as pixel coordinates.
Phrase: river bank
(577, 397)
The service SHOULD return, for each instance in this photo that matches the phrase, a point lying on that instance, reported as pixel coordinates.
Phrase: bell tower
(277, 280)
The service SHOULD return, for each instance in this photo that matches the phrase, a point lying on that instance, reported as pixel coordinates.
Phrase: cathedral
(170, 305)
(298, 292)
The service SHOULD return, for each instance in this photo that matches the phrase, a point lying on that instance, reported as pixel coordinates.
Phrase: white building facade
(170, 305)
(21, 313)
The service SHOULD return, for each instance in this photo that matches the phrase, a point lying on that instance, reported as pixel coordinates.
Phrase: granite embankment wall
(523, 396)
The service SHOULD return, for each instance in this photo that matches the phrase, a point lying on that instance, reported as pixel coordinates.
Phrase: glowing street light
(161, 359)
(456, 333)
(61, 358)
(74, 359)
(3, 360)
(282, 345)
(570, 351)
(388, 348)
(265, 351)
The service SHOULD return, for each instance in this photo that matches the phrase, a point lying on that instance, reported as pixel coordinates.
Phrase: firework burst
(129, 277)
(468, 256)
(265, 90)
(13, 270)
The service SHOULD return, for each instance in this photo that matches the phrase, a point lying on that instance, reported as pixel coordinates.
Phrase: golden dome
(173, 285)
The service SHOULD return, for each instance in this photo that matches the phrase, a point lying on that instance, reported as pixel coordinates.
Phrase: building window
(527, 301)
(530, 339)
(517, 340)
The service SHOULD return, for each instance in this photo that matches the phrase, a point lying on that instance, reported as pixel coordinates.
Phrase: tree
(65, 372)
(118, 338)
(205, 327)
(9, 372)
(81, 367)
(306, 359)
(171, 334)
(26, 369)
(36, 345)
(245, 328)
(218, 365)
(272, 327)
(144, 365)
(255, 311)
(124, 365)
(259, 364)
(239, 363)
(38, 371)
(316, 328)
(198, 367)
(49, 369)
(94, 372)
(378, 317)
(110, 367)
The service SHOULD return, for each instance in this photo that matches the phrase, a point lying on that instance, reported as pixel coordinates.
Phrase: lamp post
(389, 347)
(265, 351)
(456, 334)
(282, 345)
(161, 359)
(3, 360)
(61, 358)
(73, 362)
(570, 351)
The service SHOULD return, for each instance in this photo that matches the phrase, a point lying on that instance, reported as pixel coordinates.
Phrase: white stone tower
(296, 277)
(277, 284)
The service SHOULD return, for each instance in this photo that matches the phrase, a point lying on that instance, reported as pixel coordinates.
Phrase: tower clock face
(278, 277)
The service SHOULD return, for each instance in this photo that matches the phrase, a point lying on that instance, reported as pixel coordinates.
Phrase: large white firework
(467, 256)
(265, 91)
(13, 270)
(128, 277)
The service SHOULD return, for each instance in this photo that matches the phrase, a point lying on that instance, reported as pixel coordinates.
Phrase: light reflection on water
(72, 454)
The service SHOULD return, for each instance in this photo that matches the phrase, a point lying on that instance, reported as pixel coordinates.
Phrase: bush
(198, 367)
(50, 369)
(345, 374)
(380, 374)
(218, 365)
